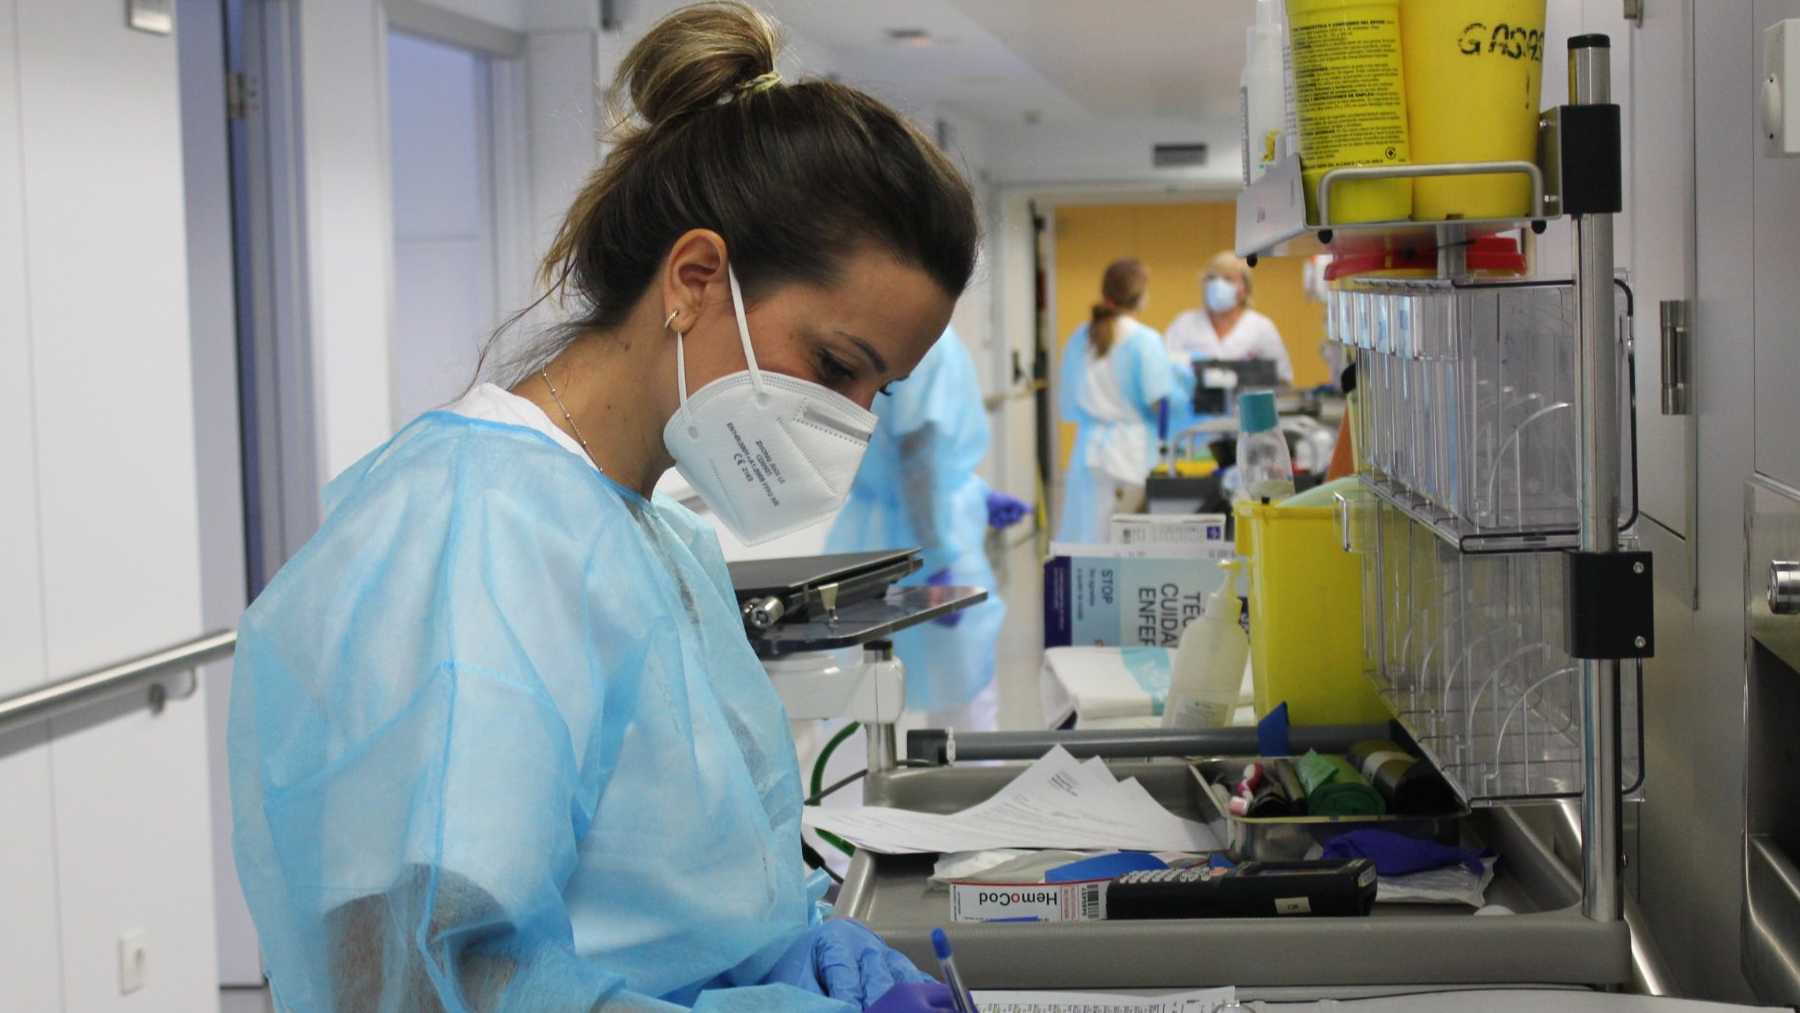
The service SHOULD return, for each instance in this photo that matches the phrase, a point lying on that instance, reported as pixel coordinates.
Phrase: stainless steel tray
(1546, 942)
(1289, 838)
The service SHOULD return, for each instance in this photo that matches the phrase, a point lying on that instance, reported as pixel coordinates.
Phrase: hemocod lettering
(1007, 898)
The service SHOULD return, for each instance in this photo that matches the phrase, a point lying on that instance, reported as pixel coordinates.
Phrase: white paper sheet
(1453, 884)
(1203, 1001)
(1056, 802)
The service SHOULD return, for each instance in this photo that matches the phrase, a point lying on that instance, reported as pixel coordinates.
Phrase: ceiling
(1060, 61)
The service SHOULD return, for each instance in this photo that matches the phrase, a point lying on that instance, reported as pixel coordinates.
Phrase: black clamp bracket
(1580, 148)
(1611, 611)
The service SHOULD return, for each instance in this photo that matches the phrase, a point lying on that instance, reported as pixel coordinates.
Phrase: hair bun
(697, 57)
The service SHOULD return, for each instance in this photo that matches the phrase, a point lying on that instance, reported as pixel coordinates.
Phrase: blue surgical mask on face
(1221, 295)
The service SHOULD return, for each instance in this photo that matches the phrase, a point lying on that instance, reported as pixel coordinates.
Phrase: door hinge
(1677, 356)
(240, 95)
(1634, 12)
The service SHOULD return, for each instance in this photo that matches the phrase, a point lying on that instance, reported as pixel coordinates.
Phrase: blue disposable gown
(498, 743)
(917, 487)
(1145, 375)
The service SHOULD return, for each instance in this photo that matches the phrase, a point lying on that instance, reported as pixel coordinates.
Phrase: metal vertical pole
(884, 746)
(882, 736)
(1597, 500)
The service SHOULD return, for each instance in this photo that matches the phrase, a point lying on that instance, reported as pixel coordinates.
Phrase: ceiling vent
(1178, 156)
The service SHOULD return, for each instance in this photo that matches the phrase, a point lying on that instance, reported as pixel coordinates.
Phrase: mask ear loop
(681, 377)
(743, 325)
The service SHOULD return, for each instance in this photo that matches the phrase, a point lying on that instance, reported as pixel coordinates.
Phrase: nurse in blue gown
(918, 487)
(1125, 395)
(497, 739)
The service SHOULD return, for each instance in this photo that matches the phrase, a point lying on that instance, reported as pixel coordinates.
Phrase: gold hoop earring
(671, 319)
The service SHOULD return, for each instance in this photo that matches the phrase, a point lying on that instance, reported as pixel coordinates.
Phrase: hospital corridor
(1019, 506)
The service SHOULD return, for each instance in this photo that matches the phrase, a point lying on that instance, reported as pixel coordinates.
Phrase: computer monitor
(1218, 382)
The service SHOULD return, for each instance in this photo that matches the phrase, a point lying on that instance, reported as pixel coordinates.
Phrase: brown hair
(1121, 290)
(793, 176)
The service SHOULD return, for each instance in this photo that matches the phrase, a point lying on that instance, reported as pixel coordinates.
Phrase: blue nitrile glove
(1272, 732)
(1004, 511)
(942, 579)
(916, 997)
(1399, 855)
(843, 960)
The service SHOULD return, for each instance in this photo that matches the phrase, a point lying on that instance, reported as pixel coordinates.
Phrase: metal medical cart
(1499, 610)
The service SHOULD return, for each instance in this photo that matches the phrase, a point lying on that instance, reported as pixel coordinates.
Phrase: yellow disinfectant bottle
(1350, 100)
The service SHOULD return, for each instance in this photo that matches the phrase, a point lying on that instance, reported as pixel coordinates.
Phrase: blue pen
(959, 993)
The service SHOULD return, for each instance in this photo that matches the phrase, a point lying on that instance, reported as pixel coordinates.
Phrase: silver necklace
(573, 428)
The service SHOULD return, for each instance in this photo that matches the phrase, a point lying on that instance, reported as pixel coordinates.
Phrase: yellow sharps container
(1474, 72)
(1306, 626)
(1350, 100)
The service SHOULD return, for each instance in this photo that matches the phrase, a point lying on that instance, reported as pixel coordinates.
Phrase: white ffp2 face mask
(1221, 295)
(770, 454)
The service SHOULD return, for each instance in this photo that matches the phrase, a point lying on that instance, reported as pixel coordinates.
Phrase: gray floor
(245, 1000)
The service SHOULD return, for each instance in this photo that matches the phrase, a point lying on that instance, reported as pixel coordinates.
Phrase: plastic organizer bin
(1292, 838)
(1468, 402)
(1466, 651)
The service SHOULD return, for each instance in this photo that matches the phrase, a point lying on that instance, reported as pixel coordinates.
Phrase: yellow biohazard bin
(1350, 100)
(1306, 626)
(1474, 73)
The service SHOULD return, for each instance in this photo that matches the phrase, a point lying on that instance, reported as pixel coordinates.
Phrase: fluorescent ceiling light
(909, 37)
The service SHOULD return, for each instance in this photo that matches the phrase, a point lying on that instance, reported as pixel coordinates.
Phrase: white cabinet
(1659, 199)
(1777, 187)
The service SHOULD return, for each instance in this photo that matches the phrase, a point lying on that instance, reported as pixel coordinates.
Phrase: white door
(445, 275)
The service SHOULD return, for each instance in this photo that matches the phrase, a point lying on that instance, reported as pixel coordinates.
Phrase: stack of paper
(1057, 802)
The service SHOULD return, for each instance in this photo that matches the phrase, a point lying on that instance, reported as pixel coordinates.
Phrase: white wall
(112, 831)
(563, 65)
(966, 142)
(29, 917)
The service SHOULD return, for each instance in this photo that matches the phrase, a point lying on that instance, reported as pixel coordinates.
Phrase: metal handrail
(78, 691)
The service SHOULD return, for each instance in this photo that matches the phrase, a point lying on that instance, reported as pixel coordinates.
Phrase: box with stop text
(1128, 596)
